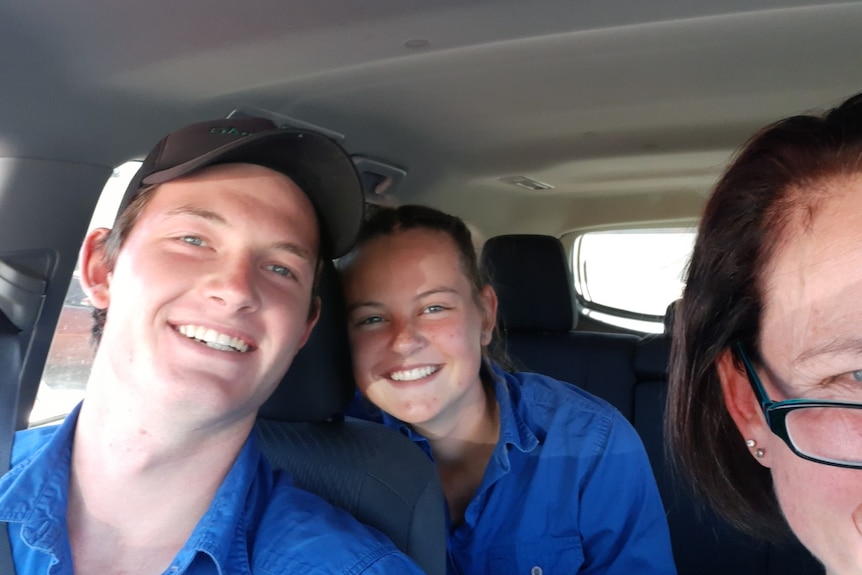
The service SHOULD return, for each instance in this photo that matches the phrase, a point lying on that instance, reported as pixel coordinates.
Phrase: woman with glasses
(765, 399)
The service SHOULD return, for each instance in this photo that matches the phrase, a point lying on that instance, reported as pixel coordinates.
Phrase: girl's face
(811, 344)
(417, 328)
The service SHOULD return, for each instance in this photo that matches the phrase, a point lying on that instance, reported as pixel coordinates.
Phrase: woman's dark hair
(772, 188)
(385, 221)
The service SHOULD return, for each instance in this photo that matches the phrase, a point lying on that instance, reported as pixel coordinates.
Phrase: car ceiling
(629, 109)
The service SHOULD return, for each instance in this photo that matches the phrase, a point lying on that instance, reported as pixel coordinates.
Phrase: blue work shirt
(257, 522)
(568, 489)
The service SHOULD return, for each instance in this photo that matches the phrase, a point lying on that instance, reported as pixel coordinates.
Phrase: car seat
(537, 315)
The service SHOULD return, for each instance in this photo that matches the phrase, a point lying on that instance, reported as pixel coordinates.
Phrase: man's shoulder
(33, 473)
(29, 441)
(302, 530)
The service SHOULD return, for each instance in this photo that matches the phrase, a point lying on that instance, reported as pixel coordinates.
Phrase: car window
(67, 368)
(627, 278)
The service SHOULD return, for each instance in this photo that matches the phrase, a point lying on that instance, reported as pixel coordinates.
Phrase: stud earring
(750, 442)
(759, 453)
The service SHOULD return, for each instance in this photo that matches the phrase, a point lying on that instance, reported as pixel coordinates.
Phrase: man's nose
(233, 284)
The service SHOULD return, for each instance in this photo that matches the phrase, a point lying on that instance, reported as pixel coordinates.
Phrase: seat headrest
(531, 276)
(670, 317)
(319, 383)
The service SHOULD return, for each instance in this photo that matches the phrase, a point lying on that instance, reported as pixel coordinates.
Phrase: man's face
(209, 296)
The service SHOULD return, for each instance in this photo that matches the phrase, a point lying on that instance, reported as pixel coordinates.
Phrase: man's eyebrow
(194, 211)
(295, 249)
(209, 215)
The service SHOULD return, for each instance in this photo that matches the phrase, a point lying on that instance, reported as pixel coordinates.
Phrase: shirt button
(536, 570)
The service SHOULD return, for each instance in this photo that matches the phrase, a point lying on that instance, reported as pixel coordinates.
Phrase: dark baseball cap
(318, 165)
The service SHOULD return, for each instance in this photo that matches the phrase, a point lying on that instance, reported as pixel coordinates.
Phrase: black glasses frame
(776, 412)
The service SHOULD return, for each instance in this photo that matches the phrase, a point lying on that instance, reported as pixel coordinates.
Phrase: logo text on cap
(229, 132)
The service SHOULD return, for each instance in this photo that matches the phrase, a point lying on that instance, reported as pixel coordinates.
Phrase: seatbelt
(10, 364)
(21, 297)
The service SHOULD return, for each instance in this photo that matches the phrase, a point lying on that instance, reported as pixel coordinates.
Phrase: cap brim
(317, 164)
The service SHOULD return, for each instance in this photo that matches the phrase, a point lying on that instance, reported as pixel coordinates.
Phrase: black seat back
(21, 297)
(537, 314)
(10, 364)
(375, 473)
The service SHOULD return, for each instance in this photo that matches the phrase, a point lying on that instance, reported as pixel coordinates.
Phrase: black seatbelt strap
(10, 367)
(22, 294)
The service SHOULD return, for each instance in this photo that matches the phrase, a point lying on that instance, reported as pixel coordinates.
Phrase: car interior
(546, 126)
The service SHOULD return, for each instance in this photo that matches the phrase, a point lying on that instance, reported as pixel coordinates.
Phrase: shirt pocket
(551, 556)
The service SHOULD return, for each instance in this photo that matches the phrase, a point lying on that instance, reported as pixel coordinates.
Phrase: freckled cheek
(458, 342)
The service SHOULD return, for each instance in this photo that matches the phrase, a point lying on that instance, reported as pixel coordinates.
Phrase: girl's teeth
(413, 374)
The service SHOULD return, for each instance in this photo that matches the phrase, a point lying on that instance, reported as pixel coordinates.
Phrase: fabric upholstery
(522, 266)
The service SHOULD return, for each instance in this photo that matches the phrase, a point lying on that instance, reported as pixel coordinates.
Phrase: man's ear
(311, 322)
(488, 297)
(739, 398)
(95, 268)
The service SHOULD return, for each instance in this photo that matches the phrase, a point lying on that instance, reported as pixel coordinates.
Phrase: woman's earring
(750, 442)
(759, 453)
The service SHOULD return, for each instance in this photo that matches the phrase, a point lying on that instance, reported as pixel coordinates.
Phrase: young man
(206, 292)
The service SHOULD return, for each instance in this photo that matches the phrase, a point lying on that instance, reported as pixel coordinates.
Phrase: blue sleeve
(623, 522)
(393, 563)
(302, 533)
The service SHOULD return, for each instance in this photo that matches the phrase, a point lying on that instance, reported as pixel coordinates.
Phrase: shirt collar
(32, 489)
(222, 534)
(514, 428)
(35, 493)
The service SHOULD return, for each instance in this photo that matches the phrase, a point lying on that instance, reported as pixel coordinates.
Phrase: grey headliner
(629, 109)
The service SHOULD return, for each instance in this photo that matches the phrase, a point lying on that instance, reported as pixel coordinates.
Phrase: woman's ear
(95, 269)
(739, 398)
(488, 297)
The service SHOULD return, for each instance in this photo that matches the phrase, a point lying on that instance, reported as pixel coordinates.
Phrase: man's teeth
(213, 339)
(413, 374)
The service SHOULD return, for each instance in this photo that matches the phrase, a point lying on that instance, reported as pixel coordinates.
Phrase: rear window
(627, 278)
(67, 367)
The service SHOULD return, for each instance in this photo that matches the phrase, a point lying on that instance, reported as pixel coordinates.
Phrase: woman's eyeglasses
(825, 431)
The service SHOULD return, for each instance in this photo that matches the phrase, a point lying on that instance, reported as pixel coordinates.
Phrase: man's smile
(212, 338)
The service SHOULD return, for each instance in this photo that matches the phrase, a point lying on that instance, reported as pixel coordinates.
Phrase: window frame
(593, 310)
